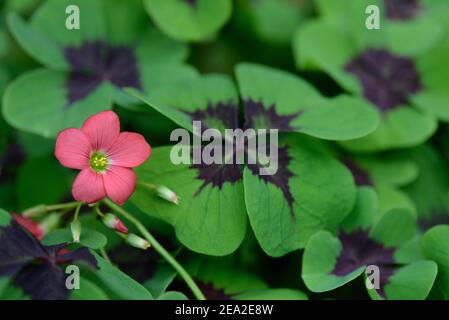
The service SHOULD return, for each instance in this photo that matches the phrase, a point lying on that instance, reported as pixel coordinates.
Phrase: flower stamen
(99, 162)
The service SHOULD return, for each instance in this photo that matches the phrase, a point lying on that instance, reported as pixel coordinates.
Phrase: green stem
(105, 255)
(69, 205)
(159, 248)
(43, 208)
(77, 211)
(147, 185)
(97, 210)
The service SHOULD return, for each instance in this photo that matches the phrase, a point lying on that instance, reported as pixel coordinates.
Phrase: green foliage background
(240, 241)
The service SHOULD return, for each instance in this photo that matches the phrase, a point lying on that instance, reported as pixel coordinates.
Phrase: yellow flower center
(98, 162)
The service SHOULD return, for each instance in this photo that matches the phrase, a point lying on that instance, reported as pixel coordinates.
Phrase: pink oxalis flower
(105, 157)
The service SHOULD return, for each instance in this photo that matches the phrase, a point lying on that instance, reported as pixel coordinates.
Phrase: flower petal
(88, 186)
(32, 226)
(73, 148)
(119, 183)
(102, 129)
(129, 150)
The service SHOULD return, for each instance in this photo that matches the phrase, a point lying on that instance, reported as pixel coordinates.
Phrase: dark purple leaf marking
(95, 62)
(225, 115)
(257, 116)
(281, 177)
(217, 174)
(192, 3)
(435, 218)
(401, 9)
(34, 267)
(361, 177)
(218, 116)
(388, 80)
(211, 292)
(358, 250)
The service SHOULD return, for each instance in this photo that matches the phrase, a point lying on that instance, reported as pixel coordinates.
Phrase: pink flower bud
(114, 223)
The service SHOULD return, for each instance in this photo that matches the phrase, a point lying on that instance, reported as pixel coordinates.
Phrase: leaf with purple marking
(211, 215)
(309, 192)
(368, 239)
(189, 20)
(88, 68)
(35, 268)
(211, 99)
(389, 81)
(284, 208)
(279, 100)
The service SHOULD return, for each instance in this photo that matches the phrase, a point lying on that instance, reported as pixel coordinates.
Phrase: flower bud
(50, 222)
(112, 222)
(167, 194)
(31, 225)
(34, 211)
(75, 226)
(137, 241)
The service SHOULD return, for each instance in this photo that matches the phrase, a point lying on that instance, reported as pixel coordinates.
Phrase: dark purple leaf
(17, 248)
(44, 281)
(34, 267)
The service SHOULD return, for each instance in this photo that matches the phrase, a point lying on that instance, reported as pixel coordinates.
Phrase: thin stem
(77, 211)
(60, 206)
(104, 254)
(147, 185)
(159, 248)
(43, 208)
(97, 210)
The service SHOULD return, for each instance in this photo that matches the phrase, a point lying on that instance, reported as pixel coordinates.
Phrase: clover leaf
(386, 173)
(86, 68)
(274, 21)
(284, 209)
(366, 64)
(436, 248)
(367, 238)
(195, 20)
(430, 190)
(29, 268)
